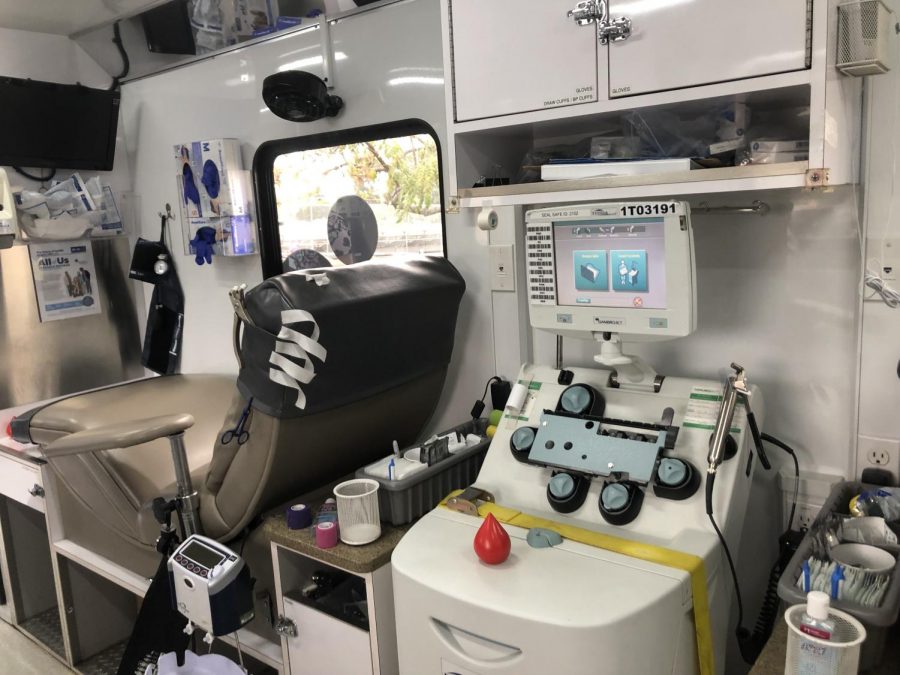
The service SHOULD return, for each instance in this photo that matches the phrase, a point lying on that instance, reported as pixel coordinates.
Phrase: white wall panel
(388, 67)
(777, 294)
(879, 382)
(42, 56)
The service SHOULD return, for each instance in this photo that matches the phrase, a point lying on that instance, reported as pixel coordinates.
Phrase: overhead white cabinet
(515, 56)
(685, 43)
(511, 56)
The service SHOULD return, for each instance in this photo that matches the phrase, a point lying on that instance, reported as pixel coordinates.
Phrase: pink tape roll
(326, 535)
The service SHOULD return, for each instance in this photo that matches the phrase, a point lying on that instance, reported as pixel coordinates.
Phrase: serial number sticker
(651, 209)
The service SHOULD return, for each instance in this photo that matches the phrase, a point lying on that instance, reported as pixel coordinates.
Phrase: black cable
(126, 63)
(478, 408)
(710, 481)
(789, 450)
(493, 379)
(30, 176)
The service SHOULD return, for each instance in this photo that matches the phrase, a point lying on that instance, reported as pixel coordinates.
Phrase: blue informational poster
(591, 272)
(65, 279)
(629, 271)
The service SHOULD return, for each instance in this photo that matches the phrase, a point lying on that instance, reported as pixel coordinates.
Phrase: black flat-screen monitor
(168, 29)
(57, 126)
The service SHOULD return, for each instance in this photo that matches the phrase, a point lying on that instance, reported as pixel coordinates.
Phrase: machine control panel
(201, 559)
(579, 444)
(211, 585)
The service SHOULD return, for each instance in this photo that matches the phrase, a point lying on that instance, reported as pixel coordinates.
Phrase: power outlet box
(806, 514)
(812, 493)
(878, 453)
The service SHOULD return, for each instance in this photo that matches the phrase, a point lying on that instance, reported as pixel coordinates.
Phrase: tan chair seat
(119, 485)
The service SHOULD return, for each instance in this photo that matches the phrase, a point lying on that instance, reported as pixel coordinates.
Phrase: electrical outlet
(878, 453)
(806, 514)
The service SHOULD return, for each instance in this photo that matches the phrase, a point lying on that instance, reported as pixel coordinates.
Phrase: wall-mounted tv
(57, 126)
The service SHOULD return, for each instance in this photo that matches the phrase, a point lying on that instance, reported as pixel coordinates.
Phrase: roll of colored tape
(298, 516)
(490, 431)
(326, 535)
(495, 417)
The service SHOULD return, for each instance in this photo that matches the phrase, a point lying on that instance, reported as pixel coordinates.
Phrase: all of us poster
(65, 279)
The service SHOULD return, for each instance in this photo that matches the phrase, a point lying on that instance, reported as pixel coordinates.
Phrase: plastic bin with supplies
(877, 620)
(402, 501)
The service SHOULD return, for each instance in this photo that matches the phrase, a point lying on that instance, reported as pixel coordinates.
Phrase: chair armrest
(119, 435)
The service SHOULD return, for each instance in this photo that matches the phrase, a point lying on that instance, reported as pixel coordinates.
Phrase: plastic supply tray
(877, 620)
(402, 501)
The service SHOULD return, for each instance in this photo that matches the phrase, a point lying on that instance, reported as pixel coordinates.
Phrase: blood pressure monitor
(211, 585)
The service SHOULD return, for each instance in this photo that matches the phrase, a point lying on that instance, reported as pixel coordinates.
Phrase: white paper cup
(359, 518)
(863, 556)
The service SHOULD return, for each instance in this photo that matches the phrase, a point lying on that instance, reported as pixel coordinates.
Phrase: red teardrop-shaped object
(492, 542)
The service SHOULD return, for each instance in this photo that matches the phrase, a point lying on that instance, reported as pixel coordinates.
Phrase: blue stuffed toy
(203, 243)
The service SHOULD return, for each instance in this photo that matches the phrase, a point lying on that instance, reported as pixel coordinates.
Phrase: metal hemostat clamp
(467, 501)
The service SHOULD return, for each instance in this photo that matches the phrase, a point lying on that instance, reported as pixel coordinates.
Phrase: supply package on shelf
(70, 209)
(674, 139)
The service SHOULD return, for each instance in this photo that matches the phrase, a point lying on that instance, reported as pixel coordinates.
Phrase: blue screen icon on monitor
(629, 271)
(591, 273)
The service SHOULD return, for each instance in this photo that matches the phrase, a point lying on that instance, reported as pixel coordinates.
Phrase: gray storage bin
(877, 620)
(402, 501)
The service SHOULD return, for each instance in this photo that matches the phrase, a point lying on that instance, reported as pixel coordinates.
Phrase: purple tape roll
(298, 516)
(326, 535)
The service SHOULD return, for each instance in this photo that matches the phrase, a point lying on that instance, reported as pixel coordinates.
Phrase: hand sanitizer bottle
(815, 621)
(816, 658)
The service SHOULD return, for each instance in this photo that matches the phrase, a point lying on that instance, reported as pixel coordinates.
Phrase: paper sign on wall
(65, 279)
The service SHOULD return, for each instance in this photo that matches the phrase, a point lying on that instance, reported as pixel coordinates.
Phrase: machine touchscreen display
(611, 263)
(203, 555)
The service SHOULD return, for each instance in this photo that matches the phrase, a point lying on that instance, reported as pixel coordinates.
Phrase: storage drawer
(22, 482)
(324, 644)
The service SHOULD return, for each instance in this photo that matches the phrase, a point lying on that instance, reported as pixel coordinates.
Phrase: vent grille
(863, 38)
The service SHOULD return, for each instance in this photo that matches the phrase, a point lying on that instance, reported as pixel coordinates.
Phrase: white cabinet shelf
(811, 101)
(726, 179)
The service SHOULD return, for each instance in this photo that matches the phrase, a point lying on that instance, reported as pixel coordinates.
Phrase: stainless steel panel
(42, 360)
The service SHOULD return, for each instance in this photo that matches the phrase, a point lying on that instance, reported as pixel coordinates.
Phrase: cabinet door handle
(286, 627)
(587, 12)
(36, 491)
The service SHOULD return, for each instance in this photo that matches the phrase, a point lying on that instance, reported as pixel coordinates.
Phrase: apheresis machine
(611, 481)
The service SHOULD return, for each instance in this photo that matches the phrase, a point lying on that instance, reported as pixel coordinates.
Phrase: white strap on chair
(291, 343)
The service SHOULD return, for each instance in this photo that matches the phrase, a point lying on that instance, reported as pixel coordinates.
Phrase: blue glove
(210, 178)
(203, 243)
(191, 193)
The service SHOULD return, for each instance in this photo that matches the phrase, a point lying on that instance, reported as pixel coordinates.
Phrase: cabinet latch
(587, 12)
(286, 627)
(36, 491)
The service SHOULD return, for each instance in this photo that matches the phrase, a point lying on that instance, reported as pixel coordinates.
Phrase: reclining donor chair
(334, 365)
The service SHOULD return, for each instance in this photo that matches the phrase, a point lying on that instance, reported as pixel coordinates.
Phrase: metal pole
(559, 352)
(188, 498)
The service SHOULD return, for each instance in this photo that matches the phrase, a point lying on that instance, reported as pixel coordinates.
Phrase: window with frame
(347, 197)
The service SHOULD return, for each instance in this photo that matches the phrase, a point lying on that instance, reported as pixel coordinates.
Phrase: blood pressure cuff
(313, 346)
